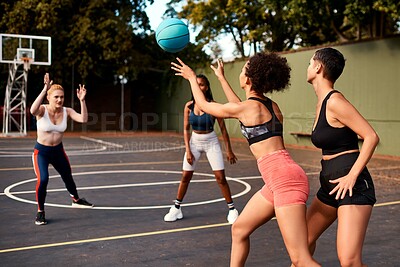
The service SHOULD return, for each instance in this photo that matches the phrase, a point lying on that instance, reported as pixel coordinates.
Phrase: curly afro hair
(268, 72)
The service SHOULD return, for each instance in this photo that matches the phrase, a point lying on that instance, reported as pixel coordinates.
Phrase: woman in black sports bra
(286, 189)
(347, 191)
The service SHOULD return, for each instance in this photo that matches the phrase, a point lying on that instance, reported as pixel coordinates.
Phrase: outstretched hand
(219, 70)
(47, 82)
(81, 92)
(182, 69)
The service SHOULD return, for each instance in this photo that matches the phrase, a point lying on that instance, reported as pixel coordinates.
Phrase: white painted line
(96, 165)
(103, 150)
(193, 228)
(118, 237)
(12, 195)
(13, 154)
(101, 141)
(387, 203)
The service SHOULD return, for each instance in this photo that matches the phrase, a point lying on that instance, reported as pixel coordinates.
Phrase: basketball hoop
(27, 62)
(18, 50)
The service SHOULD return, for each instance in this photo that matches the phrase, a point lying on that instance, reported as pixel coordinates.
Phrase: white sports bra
(44, 123)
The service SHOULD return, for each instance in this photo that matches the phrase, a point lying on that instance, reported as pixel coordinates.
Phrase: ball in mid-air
(172, 35)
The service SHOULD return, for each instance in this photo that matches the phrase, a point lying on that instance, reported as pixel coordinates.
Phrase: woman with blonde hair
(51, 124)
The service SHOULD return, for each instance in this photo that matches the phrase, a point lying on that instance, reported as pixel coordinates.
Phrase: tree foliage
(87, 34)
(346, 20)
(279, 25)
(103, 38)
(99, 39)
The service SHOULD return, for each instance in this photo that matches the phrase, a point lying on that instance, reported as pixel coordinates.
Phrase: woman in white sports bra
(51, 124)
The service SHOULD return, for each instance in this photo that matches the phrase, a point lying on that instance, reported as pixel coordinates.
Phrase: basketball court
(132, 180)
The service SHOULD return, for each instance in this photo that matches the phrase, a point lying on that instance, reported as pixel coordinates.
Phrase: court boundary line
(110, 238)
(103, 150)
(127, 236)
(12, 195)
(100, 141)
(111, 164)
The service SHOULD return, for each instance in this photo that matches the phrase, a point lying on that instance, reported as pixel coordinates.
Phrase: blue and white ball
(172, 35)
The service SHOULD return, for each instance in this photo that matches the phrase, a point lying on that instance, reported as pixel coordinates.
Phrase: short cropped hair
(333, 62)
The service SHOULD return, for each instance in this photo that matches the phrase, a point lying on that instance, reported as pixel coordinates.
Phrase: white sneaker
(173, 214)
(232, 216)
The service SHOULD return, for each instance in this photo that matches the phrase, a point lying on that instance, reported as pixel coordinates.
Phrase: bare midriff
(328, 157)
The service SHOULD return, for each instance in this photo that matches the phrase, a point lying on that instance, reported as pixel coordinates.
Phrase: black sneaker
(40, 220)
(81, 203)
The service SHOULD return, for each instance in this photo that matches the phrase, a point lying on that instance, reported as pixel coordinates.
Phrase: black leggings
(54, 155)
(363, 190)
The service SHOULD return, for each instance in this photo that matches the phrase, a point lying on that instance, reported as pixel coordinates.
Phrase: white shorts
(205, 143)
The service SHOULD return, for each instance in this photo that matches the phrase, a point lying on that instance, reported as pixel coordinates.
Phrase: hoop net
(27, 62)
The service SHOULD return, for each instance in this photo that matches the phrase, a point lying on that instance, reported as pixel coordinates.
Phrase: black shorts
(363, 190)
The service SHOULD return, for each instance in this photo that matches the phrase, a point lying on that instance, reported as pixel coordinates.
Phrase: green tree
(94, 42)
(324, 21)
(259, 24)
(99, 39)
(87, 34)
(278, 25)
(216, 18)
(373, 18)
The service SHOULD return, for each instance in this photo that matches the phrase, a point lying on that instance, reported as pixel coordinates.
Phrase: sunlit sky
(155, 13)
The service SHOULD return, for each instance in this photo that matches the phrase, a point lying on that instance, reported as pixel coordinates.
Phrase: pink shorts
(286, 183)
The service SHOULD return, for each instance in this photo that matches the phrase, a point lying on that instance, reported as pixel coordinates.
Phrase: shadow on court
(133, 180)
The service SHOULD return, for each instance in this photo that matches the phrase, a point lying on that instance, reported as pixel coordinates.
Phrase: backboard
(13, 47)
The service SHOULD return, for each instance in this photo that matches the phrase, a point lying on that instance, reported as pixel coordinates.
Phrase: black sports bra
(332, 140)
(261, 132)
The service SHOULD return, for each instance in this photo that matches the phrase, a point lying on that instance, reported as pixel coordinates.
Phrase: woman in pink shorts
(285, 192)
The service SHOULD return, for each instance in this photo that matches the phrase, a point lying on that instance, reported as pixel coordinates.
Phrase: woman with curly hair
(286, 189)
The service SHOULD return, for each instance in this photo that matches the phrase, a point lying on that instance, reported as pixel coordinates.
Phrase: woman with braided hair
(203, 139)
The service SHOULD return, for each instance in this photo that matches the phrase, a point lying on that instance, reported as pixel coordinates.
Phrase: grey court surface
(132, 180)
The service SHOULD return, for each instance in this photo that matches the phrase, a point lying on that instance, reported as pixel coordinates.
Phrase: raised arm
(229, 110)
(83, 116)
(230, 156)
(36, 109)
(229, 93)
